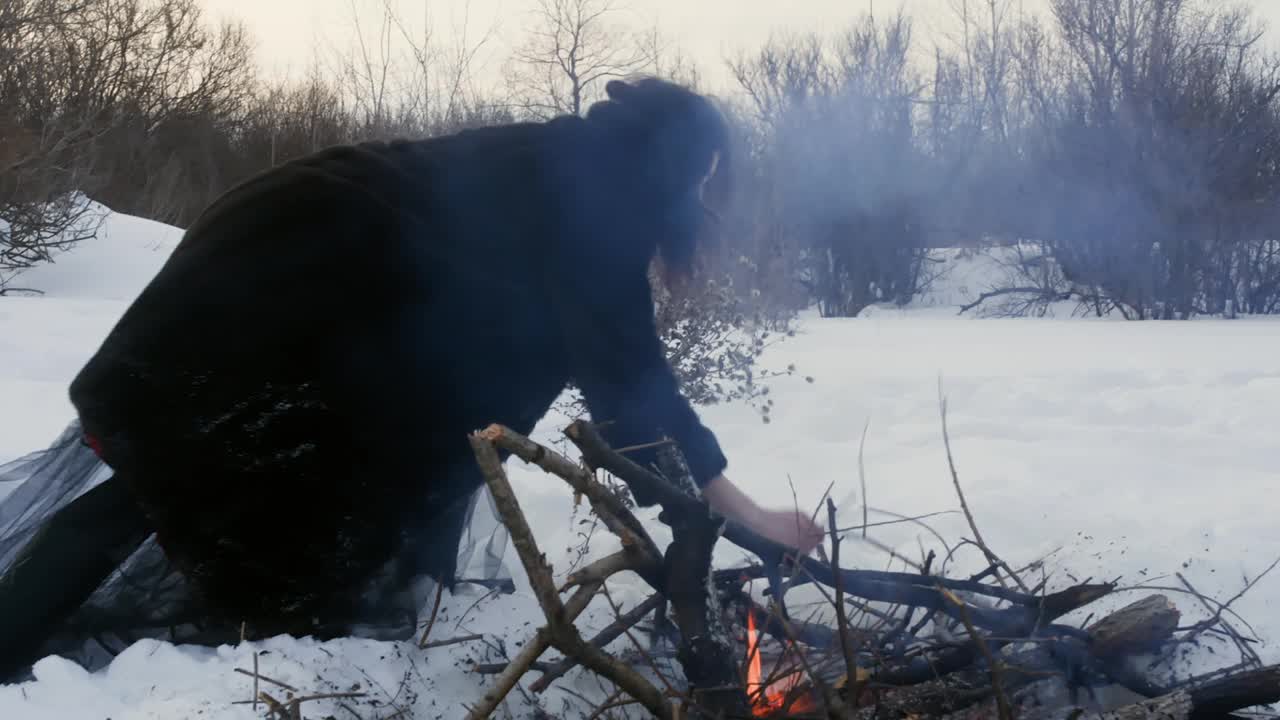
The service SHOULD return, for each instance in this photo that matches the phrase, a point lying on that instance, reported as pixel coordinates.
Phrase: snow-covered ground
(1134, 449)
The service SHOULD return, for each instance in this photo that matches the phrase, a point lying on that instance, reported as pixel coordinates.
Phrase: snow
(1134, 449)
(44, 340)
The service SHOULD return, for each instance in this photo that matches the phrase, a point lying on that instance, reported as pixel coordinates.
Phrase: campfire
(783, 692)
(914, 643)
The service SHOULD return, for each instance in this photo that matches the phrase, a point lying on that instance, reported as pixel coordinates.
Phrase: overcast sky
(288, 32)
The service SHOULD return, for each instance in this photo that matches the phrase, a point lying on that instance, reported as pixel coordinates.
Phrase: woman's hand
(791, 528)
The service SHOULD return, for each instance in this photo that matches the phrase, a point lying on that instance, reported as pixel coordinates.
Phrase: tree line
(1124, 152)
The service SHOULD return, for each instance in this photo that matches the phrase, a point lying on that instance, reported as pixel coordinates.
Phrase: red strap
(94, 444)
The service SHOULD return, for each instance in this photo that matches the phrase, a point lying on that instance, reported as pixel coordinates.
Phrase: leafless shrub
(715, 347)
(1152, 160)
(849, 184)
(1031, 284)
(46, 159)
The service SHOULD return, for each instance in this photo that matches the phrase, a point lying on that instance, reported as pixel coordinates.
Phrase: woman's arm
(788, 527)
(619, 363)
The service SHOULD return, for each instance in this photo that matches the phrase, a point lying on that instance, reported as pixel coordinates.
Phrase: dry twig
(964, 504)
(994, 663)
(842, 619)
(601, 640)
(435, 608)
(559, 630)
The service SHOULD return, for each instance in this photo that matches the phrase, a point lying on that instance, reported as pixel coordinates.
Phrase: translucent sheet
(146, 598)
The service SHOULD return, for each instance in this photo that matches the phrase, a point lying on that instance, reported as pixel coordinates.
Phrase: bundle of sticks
(901, 644)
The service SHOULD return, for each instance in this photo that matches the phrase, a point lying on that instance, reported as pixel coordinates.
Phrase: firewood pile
(883, 645)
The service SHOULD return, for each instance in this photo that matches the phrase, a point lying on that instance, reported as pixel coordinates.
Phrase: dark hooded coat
(288, 401)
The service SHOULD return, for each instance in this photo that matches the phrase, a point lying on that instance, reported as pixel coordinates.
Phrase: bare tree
(445, 93)
(574, 46)
(44, 163)
(369, 74)
(160, 88)
(403, 77)
(850, 190)
(783, 74)
(1143, 145)
(668, 60)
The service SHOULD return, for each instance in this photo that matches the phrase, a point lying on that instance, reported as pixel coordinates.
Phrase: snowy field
(1132, 449)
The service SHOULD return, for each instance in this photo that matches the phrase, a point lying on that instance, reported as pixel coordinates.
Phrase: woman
(287, 403)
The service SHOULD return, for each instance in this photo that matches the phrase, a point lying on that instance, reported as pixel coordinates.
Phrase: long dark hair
(675, 136)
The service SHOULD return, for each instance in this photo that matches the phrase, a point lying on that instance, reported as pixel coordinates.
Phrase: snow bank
(1139, 449)
(114, 266)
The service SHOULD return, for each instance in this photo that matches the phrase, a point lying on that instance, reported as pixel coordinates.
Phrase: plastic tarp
(145, 597)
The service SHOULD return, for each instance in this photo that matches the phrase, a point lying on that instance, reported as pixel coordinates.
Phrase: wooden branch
(1246, 651)
(929, 699)
(265, 679)
(1216, 618)
(1127, 632)
(275, 706)
(527, 660)
(706, 653)
(499, 668)
(888, 587)
(292, 709)
(1054, 606)
(994, 664)
(535, 563)
(1176, 706)
(598, 455)
(843, 627)
(1042, 293)
(431, 622)
(452, 641)
(810, 634)
(617, 517)
(685, 580)
(612, 512)
(600, 570)
(1211, 700)
(602, 639)
(1236, 692)
(1134, 628)
(617, 671)
(991, 556)
(559, 631)
(1167, 707)
(834, 704)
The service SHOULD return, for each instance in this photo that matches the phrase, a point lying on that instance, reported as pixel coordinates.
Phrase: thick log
(1143, 625)
(1054, 606)
(1129, 631)
(1174, 706)
(1235, 692)
(1208, 701)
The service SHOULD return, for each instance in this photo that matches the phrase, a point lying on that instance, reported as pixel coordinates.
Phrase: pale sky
(288, 32)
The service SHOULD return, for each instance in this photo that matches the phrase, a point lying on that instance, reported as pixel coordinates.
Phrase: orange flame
(764, 700)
